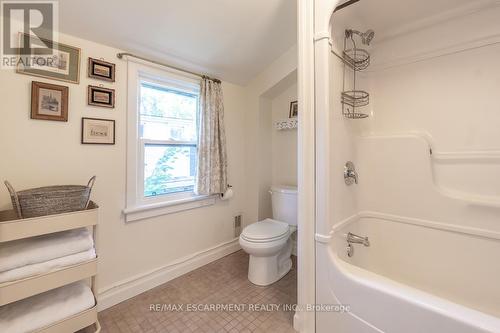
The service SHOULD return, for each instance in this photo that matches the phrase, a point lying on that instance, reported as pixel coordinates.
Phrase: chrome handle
(350, 174)
(355, 239)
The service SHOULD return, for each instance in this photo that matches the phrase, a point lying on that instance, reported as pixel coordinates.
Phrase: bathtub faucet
(355, 239)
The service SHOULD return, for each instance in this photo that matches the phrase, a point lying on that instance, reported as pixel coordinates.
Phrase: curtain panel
(212, 156)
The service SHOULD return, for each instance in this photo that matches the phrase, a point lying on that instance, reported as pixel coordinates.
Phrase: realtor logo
(28, 28)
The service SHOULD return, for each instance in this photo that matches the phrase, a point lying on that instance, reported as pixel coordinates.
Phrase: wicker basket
(50, 200)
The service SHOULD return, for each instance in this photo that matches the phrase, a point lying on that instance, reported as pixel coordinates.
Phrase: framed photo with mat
(98, 131)
(100, 96)
(63, 64)
(49, 101)
(101, 70)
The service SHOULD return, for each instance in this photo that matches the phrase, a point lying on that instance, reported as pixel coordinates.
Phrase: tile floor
(220, 283)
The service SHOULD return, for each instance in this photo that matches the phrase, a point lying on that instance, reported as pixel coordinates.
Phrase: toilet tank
(284, 202)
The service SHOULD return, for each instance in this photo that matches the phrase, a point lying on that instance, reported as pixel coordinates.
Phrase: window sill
(146, 211)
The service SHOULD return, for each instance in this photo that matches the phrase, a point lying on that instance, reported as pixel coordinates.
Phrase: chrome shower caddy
(355, 59)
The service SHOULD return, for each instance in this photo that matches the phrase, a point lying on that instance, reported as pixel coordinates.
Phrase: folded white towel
(47, 266)
(47, 308)
(39, 249)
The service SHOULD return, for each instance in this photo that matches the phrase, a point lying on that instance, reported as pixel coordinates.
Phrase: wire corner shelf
(357, 59)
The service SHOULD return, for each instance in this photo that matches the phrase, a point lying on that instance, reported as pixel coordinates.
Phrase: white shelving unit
(12, 228)
(286, 124)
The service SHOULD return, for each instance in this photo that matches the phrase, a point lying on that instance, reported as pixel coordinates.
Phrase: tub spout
(355, 239)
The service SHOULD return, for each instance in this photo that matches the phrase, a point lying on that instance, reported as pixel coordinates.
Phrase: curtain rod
(123, 54)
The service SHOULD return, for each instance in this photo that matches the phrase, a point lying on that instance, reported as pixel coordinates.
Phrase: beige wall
(284, 143)
(277, 154)
(37, 153)
(265, 157)
(260, 92)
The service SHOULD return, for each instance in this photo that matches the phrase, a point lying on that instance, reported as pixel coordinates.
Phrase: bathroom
(250, 166)
(124, 103)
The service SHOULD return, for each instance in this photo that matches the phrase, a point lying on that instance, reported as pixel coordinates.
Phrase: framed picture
(101, 70)
(99, 96)
(49, 101)
(98, 131)
(294, 109)
(63, 64)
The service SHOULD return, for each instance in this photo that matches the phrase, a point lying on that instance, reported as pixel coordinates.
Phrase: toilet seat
(265, 231)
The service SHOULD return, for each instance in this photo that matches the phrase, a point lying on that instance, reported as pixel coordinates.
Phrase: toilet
(268, 241)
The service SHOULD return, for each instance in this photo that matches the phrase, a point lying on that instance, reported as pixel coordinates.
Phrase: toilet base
(264, 271)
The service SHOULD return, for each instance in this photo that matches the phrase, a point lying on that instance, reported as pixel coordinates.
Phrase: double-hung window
(168, 139)
(163, 119)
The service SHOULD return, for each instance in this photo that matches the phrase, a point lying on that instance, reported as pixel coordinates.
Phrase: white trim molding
(135, 285)
(136, 213)
(443, 226)
(305, 322)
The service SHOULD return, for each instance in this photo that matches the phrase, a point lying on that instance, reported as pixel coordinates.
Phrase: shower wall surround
(428, 164)
(432, 98)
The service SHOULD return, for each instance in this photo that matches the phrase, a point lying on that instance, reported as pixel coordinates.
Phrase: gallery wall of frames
(50, 101)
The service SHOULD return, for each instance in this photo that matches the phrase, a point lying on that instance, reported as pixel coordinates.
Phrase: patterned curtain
(212, 156)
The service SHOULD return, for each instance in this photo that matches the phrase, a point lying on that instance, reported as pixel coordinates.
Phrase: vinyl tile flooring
(214, 298)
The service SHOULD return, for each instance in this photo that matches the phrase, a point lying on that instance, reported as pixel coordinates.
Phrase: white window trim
(138, 207)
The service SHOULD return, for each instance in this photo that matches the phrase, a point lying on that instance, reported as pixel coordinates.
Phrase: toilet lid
(265, 229)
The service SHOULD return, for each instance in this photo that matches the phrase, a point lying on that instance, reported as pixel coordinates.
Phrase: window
(168, 134)
(162, 142)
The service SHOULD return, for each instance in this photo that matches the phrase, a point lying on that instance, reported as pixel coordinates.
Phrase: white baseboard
(138, 284)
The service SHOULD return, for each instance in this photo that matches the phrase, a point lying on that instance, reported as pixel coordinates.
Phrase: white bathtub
(416, 276)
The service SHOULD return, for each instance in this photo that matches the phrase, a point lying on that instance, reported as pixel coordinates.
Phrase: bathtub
(416, 276)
